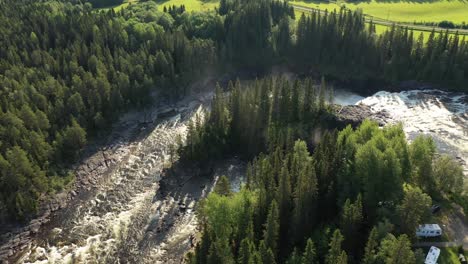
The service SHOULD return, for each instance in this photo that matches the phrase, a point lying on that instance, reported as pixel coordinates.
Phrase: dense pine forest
(352, 196)
(67, 71)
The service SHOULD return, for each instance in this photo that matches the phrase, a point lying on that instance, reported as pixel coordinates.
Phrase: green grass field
(448, 256)
(124, 4)
(379, 29)
(414, 11)
(190, 5)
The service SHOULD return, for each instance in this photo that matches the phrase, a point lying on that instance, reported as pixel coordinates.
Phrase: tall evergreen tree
(336, 254)
(271, 232)
(309, 256)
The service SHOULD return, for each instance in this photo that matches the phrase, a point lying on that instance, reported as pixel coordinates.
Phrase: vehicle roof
(432, 255)
(430, 227)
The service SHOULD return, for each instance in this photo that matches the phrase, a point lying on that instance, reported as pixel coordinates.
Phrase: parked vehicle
(432, 256)
(429, 230)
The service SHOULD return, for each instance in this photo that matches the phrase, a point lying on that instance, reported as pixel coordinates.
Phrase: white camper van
(432, 256)
(429, 230)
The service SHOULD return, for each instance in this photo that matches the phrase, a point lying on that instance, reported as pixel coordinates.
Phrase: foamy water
(441, 115)
(109, 227)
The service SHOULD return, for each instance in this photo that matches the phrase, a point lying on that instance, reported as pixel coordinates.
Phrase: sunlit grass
(419, 11)
(379, 29)
(124, 4)
(448, 256)
(190, 5)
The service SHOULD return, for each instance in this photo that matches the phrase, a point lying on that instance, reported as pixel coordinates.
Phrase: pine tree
(309, 256)
(271, 232)
(305, 192)
(246, 252)
(422, 151)
(223, 186)
(413, 209)
(396, 250)
(266, 254)
(283, 198)
(202, 248)
(336, 254)
(351, 222)
(295, 258)
(370, 250)
(295, 105)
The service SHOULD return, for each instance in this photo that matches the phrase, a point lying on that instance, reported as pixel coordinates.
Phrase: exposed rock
(35, 228)
(354, 115)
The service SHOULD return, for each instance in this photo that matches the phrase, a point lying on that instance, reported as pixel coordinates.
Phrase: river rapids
(128, 220)
(113, 224)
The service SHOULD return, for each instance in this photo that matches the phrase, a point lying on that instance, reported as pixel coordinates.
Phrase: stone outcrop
(354, 115)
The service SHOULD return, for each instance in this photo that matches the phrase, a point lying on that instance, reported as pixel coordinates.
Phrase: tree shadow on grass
(382, 1)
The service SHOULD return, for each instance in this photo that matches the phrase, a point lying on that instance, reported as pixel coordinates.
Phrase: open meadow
(190, 5)
(409, 12)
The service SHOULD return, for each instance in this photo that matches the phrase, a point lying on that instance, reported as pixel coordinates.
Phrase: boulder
(354, 115)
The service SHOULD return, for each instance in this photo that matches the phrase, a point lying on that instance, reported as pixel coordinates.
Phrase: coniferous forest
(67, 72)
(354, 197)
(313, 194)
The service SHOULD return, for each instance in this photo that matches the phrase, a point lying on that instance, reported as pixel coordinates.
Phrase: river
(442, 115)
(136, 216)
(114, 221)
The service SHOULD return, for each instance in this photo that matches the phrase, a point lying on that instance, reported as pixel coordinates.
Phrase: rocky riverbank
(100, 160)
(354, 115)
(89, 172)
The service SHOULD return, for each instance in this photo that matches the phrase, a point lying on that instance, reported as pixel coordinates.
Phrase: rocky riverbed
(127, 207)
(354, 115)
(124, 153)
(104, 169)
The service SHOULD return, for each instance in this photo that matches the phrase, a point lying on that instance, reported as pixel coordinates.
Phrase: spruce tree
(370, 250)
(309, 256)
(223, 186)
(246, 252)
(266, 254)
(271, 232)
(335, 253)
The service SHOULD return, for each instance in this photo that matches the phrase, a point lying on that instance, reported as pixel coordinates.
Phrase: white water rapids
(122, 221)
(442, 115)
(112, 224)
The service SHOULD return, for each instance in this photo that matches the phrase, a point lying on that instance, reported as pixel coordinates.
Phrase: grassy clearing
(380, 29)
(415, 11)
(448, 255)
(116, 8)
(190, 5)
